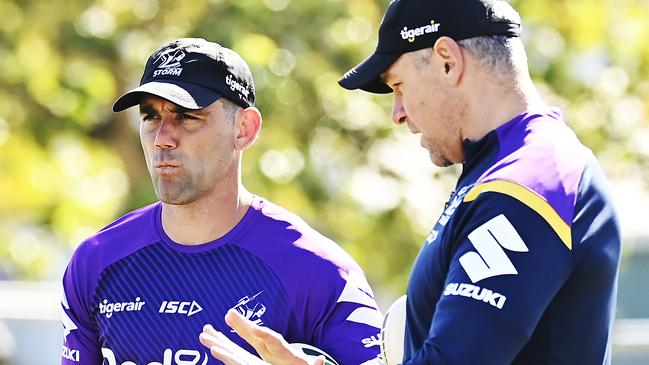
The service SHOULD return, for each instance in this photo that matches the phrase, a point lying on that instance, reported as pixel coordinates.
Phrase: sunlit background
(69, 166)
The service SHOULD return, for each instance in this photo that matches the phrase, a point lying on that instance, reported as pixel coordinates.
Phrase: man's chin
(174, 197)
(439, 161)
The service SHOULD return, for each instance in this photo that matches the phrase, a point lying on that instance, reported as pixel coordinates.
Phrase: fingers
(225, 350)
(269, 344)
(264, 340)
(218, 348)
(244, 327)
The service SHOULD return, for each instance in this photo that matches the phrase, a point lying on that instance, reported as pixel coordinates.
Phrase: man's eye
(148, 117)
(189, 117)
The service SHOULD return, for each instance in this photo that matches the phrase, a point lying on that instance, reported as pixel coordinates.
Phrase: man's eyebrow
(181, 110)
(147, 109)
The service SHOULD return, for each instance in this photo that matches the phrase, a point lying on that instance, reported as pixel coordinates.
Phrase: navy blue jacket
(521, 268)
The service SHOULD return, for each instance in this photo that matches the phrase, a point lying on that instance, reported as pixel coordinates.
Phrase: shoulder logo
(180, 307)
(490, 259)
(251, 308)
(68, 324)
(411, 34)
(169, 63)
(475, 292)
(358, 291)
(70, 354)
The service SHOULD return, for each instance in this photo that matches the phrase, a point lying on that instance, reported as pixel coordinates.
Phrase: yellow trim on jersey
(529, 198)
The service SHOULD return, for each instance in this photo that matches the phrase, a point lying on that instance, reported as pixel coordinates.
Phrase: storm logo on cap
(411, 34)
(170, 62)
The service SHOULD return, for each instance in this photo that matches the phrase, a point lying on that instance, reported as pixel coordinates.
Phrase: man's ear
(248, 122)
(449, 59)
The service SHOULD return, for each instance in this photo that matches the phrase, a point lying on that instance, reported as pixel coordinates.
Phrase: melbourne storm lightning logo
(251, 308)
(169, 63)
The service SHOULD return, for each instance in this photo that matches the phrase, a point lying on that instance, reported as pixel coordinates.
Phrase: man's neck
(495, 105)
(206, 219)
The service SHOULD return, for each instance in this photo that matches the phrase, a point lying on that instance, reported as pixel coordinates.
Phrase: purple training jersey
(133, 296)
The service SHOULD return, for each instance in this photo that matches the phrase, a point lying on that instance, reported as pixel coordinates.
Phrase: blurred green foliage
(68, 165)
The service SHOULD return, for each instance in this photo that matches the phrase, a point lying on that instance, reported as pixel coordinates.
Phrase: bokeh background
(69, 166)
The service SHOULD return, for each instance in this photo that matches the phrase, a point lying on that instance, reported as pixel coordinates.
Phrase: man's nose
(398, 112)
(165, 137)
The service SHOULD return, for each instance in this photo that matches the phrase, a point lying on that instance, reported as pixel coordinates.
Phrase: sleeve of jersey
(349, 328)
(81, 343)
(507, 263)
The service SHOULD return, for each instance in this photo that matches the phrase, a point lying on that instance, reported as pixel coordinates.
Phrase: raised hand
(269, 344)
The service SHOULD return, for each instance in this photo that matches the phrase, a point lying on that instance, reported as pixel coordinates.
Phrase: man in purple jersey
(522, 265)
(141, 289)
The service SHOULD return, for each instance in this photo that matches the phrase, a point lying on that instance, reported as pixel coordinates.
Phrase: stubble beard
(451, 152)
(438, 159)
(177, 191)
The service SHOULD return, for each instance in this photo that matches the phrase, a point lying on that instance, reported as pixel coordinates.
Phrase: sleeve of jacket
(507, 263)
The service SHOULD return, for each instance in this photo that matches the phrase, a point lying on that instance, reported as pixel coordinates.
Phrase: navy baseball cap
(193, 73)
(410, 25)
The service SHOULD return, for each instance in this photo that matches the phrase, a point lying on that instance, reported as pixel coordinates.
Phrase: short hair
(229, 109)
(422, 57)
(501, 54)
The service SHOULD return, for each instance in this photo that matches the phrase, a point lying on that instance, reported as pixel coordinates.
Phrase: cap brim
(185, 94)
(367, 74)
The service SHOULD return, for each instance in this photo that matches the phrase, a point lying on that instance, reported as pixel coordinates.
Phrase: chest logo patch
(251, 308)
(109, 308)
(180, 307)
(450, 208)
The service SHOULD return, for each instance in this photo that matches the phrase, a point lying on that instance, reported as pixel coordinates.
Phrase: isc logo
(174, 306)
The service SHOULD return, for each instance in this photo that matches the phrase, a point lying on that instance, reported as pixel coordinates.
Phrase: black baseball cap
(410, 25)
(193, 73)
